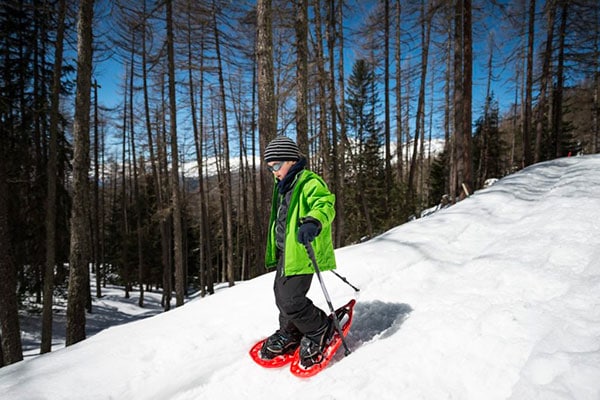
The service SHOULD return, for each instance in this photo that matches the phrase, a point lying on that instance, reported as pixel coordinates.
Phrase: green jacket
(310, 198)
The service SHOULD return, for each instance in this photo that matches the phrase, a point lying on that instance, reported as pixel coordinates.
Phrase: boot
(312, 345)
(281, 342)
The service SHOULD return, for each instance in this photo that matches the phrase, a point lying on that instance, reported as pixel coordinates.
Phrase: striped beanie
(282, 148)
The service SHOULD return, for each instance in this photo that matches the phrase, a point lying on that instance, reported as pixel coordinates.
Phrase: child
(302, 212)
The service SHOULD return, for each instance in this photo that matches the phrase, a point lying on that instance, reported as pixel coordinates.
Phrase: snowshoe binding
(316, 351)
(275, 351)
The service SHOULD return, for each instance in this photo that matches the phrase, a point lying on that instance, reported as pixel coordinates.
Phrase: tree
(301, 27)
(426, 21)
(467, 73)
(398, 93)
(197, 113)
(46, 342)
(340, 154)
(542, 106)
(159, 178)
(386, 102)
(226, 192)
(80, 253)
(267, 110)
(98, 214)
(557, 112)
(438, 177)
(136, 185)
(488, 144)
(175, 195)
(321, 93)
(267, 115)
(366, 176)
(463, 69)
(527, 117)
(9, 312)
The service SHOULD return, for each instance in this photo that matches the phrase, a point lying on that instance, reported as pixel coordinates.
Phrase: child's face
(280, 168)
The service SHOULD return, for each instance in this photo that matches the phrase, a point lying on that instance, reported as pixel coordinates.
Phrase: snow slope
(496, 297)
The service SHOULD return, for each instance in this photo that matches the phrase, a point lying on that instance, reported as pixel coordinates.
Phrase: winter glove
(308, 231)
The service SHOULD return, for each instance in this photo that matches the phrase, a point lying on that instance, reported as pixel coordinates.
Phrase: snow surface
(497, 297)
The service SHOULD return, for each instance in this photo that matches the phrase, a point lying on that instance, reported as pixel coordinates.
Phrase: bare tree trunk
(542, 107)
(136, 188)
(197, 127)
(176, 196)
(425, 38)
(124, 194)
(457, 166)
(557, 113)
(482, 168)
(425, 174)
(228, 198)
(10, 338)
(101, 280)
(340, 191)
(256, 231)
(267, 110)
(267, 113)
(301, 25)
(2, 352)
(155, 160)
(331, 157)
(596, 80)
(166, 225)
(467, 159)
(243, 221)
(216, 141)
(406, 122)
(209, 272)
(321, 91)
(96, 229)
(9, 311)
(448, 148)
(596, 102)
(46, 342)
(386, 94)
(398, 93)
(80, 255)
(527, 119)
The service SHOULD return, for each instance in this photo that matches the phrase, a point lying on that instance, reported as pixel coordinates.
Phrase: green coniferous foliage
(488, 146)
(438, 178)
(365, 172)
(569, 144)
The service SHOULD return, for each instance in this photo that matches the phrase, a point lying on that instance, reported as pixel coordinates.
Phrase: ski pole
(336, 321)
(346, 281)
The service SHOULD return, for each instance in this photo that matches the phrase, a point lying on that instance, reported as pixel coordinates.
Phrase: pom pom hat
(282, 148)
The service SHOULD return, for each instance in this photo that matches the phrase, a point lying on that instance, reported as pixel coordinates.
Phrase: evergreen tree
(366, 175)
(488, 145)
(438, 178)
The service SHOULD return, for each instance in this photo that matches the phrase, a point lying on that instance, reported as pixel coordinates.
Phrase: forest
(132, 130)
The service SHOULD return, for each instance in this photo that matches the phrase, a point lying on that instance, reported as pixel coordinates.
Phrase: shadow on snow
(374, 320)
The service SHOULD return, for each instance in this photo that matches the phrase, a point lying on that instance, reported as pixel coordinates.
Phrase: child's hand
(307, 232)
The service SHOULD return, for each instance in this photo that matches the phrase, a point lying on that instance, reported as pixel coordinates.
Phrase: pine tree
(438, 178)
(366, 175)
(488, 145)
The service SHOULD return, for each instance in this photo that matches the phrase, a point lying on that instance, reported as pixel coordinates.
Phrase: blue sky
(110, 73)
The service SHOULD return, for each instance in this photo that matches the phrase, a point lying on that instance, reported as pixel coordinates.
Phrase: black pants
(297, 313)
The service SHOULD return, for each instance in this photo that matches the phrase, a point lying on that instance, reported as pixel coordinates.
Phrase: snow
(496, 297)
